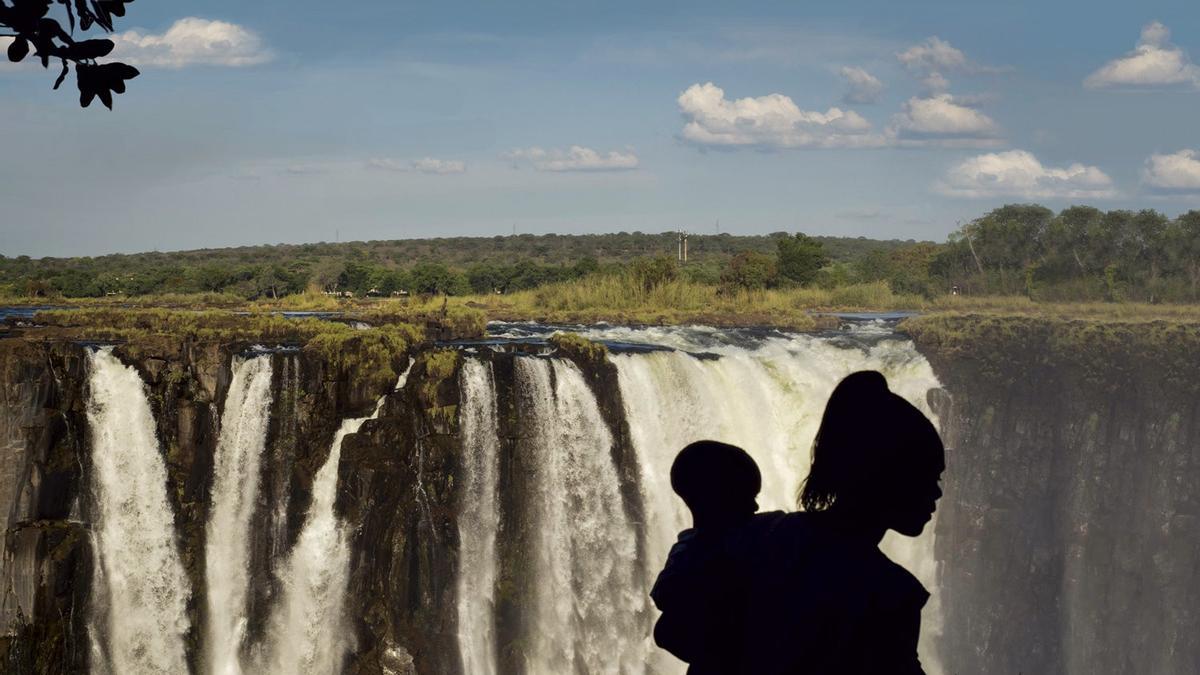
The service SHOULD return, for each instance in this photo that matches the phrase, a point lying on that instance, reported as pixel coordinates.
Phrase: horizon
(391, 122)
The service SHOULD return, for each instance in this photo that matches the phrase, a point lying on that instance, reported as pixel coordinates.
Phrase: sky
(294, 121)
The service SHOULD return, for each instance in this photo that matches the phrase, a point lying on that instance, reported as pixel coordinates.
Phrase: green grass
(371, 354)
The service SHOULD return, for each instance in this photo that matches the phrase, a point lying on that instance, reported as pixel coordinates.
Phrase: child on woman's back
(699, 590)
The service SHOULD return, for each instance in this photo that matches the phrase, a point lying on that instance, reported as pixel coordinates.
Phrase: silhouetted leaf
(86, 18)
(18, 50)
(105, 98)
(115, 7)
(90, 49)
(70, 14)
(63, 75)
(85, 77)
(25, 13)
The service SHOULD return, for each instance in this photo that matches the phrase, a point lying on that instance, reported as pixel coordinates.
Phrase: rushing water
(768, 399)
(238, 458)
(478, 519)
(762, 390)
(588, 613)
(308, 631)
(594, 545)
(143, 590)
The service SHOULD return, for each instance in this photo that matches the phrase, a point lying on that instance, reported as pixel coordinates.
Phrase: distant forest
(1080, 253)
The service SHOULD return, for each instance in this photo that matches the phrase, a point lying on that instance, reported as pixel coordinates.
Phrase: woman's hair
(868, 435)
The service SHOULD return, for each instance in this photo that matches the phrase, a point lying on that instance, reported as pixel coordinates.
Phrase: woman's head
(876, 457)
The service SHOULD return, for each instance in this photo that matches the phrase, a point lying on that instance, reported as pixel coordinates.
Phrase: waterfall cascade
(590, 613)
(479, 519)
(143, 589)
(238, 458)
(591, 544)
(590, 608)
(307, 633)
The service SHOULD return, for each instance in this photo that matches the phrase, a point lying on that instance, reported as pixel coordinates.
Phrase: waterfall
(141, 613)
(239, 452)
(589, 606)
(479, 519)
(768, 399)
(308, 633)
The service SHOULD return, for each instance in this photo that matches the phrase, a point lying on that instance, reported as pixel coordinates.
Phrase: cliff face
(46, 566)
(46, 570)
(1068, 533)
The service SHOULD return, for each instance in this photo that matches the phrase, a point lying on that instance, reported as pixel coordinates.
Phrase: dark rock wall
(1069, 537)
(46, 566)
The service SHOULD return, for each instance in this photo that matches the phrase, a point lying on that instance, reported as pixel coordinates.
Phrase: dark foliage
(34, 30)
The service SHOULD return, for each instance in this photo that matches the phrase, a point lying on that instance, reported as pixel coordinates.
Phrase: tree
(1183, 240)
(800, 258)
(32, 28)
(751, 271)
(654, 272)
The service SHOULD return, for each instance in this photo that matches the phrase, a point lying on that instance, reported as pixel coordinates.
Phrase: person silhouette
(698, 591)
(808, 591)
(823, 597)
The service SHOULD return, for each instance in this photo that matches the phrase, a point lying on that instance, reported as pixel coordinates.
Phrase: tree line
(1078, 254)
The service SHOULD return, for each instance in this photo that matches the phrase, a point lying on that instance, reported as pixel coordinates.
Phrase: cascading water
(307, 633)
(765, 394)
(479, 519)
(768, 399)
(239, 452)
(589, 613)
(141, 616)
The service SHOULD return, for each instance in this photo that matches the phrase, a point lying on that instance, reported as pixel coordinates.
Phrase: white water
(768, 400)
(145, 590)
(239, 452)
(589, 611)
(479, 518)
(308, 631)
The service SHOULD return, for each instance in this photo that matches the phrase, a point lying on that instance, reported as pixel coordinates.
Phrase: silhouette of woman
(823, 598)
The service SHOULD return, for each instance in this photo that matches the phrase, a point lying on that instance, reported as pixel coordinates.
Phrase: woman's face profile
(915, 495)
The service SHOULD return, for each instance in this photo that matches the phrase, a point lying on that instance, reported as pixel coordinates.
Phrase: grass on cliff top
(622, 299)
(1107, 352)
(372, 353)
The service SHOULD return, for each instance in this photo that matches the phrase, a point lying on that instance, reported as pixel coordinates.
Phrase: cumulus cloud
(423, 165)
(575, 158)
(934, 55)
(1017, 173)
(862, 87)
(438, 166)
(1155, 62)
(192, 41)
(943, 119)
(771, 121)
(1177, 172)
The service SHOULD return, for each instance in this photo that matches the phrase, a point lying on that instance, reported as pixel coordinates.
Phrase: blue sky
(273, 121)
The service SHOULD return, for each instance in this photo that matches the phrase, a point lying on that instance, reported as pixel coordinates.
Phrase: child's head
(717, 481)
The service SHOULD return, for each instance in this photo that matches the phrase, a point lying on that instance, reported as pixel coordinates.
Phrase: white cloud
(306, 169)
(771, 121)
(933, 55)
(575, 158)
(943, 119)
(438, 166)
(386, 164)
(1017, 173)
(1155, 62)
(192, 41)
(1177, 172)
(424, 165)
(862, 87)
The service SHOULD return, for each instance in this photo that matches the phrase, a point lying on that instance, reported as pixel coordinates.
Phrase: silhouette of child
(698, 591)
